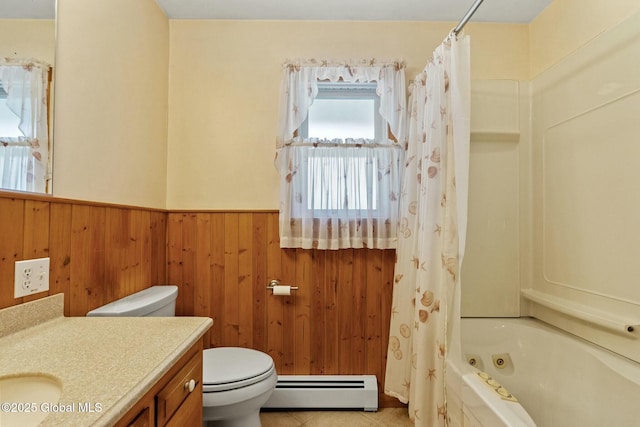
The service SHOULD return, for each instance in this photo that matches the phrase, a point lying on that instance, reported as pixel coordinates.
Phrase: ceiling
(516, 11)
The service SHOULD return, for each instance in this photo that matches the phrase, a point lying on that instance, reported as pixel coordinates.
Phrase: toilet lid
(227, 368)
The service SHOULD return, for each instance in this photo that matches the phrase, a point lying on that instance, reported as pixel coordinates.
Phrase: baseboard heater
(355, 392)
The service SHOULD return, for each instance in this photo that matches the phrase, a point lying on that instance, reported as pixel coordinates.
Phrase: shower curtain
(425, 316)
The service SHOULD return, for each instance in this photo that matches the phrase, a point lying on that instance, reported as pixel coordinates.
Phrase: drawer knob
(191, 385)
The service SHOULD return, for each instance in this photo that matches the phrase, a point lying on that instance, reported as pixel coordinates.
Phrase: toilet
(236, 381)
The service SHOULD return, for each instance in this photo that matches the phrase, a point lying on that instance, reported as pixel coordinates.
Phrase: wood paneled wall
(336, 323)
(98, 253)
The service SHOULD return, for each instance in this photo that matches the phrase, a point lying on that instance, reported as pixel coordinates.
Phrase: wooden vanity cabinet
(175, 400)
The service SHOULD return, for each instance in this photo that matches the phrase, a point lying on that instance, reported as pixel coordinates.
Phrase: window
(340, 170)
(24, 135)
(9, 121)
(344, 110)
(353, 177)
(341, 111)
(16, 161)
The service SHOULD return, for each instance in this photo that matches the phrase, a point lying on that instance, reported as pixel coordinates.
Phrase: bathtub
(558, 379)
(473, 400)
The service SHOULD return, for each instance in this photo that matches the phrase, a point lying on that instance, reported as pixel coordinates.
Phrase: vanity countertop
(104, 363)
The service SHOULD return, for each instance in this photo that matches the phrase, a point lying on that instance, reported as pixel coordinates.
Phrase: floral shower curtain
(424, 329)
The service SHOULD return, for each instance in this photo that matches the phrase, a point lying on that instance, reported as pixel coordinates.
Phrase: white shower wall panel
(492, 265)
(586, 217)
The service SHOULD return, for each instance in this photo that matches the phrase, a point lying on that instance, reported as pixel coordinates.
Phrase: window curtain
(424, 328)
(24, 161)
(309, 221)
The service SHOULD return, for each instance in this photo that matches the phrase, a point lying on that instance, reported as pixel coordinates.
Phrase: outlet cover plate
(31, 277)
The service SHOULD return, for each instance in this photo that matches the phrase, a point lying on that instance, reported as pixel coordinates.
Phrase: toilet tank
(156, 301)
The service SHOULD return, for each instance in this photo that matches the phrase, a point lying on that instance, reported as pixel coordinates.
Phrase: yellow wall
(28, 38)
(566, 25)
(221, 103)
(205, 140)
(111, 102)
(224, 92)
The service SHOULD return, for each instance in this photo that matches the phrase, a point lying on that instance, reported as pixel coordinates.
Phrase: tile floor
(385, 417)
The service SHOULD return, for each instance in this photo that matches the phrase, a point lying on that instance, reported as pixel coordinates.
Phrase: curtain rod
(467, 16)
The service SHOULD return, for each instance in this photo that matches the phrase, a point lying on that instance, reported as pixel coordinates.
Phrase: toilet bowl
(236, 381)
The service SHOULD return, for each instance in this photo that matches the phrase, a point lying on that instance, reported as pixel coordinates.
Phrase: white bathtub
(473, 401)
(560, 380)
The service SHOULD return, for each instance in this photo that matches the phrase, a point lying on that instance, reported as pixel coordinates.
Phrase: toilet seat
(229, 368)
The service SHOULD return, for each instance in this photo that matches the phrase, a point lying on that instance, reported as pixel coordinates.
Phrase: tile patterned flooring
(385, 417)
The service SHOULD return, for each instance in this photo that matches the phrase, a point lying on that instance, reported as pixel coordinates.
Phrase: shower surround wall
(496, 262)
(585, 187)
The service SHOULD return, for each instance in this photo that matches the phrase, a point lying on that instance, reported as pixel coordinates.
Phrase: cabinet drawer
(169, 399)
(189, 414)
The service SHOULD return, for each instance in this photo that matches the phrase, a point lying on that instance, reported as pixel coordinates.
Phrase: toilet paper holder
(272, 284)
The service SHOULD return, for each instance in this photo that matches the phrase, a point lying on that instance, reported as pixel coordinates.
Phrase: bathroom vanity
(109, 371)
(175, 400)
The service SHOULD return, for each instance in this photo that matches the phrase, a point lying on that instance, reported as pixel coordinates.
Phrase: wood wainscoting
(98, 252)
(336, 323)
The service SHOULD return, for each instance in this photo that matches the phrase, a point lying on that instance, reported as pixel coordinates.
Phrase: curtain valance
(299, 88)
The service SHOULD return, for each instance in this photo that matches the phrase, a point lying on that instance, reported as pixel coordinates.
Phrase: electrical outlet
(31, 277)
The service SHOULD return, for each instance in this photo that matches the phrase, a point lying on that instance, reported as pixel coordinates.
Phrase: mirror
(27, 32)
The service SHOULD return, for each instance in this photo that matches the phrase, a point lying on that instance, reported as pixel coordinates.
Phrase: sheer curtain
(340, 193)
(24, 159)
(424, 328)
